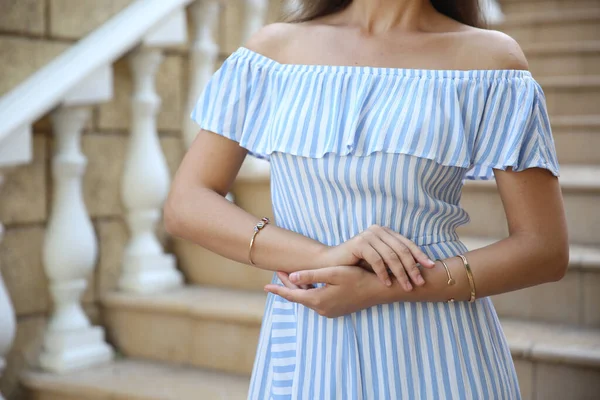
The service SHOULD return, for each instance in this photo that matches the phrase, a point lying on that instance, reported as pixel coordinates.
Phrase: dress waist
(432, 239)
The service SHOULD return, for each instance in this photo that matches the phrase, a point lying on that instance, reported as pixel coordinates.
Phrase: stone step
(577, 304)
(564, 58)
(554, 25)
(554, 362)
(195, 325)
(577, 139)
(171, 327)
(572, 95)
(129, 379)
(581, 191)
(514, 7)
(203, 267)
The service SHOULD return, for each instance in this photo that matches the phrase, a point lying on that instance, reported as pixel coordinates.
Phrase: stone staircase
(199, 342)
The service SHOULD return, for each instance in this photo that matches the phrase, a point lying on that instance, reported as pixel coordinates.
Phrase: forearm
(514, 263)
(206, 218)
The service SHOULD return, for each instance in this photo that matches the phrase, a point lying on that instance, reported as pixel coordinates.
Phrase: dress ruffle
(478, 120)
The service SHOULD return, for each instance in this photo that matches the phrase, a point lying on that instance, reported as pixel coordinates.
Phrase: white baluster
(7, 317)
(492, 11)
(70, 253)
(146, 268)
(203, 56)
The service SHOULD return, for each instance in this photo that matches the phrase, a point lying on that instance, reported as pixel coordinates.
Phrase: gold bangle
(469, 276)
(257, 228)
(451, 280)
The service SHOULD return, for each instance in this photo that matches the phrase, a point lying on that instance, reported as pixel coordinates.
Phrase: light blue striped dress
(354, 146)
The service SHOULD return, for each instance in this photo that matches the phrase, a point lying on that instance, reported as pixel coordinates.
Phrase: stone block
(92, 310)
(138, 333)
(211, 338)
(26, 56)
(58, 394)
(573, 100)
(23, 16)
(116, 115)
(112, 236)
(23, 354)
(525, 374)
(74, 19)
(23, 194)
(173, 148)
(230, 27)
(232, 21)
(541, 302)
(561, 382)
(591, 298)
(22, 269)
(202, 266)
(102, 181)
(254, 197)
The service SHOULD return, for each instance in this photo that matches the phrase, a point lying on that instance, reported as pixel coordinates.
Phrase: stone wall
(32, 32)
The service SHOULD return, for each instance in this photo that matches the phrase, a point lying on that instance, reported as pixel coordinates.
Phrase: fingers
(374, 258)
(308, 298)
(399, 254)
(285, 292)
(406, 257)
(283, 277)
(416, 252)
(392, 259)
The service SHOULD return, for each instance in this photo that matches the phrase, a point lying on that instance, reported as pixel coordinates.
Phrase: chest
(410, 51)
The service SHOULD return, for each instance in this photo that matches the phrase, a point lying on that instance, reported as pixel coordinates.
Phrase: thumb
(323, 275)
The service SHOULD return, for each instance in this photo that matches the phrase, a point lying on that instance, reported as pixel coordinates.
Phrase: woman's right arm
(196, 210)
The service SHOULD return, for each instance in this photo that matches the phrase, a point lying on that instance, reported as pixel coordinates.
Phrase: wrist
(376, 292)
(320, 256)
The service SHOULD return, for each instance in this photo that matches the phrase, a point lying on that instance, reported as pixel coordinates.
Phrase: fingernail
(388, 282)
(420, 280)
(294, 277)
(431, 262)
(408, 286)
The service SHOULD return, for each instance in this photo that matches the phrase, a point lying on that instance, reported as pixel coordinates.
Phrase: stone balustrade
(70, 246)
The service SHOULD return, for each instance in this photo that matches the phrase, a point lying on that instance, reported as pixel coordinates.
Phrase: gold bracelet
(470, 277)
(261, 224)
(451, 280)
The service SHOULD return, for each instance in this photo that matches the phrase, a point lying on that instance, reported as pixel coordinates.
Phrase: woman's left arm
(535, 252)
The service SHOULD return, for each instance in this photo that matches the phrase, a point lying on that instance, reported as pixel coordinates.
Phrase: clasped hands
(356, 271)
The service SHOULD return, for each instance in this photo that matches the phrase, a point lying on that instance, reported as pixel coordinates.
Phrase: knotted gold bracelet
(451, 280)
(264, 221)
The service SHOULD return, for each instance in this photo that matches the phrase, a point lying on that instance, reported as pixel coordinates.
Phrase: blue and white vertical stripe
(355, 146)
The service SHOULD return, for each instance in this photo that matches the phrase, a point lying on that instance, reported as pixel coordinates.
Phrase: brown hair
(464, 11)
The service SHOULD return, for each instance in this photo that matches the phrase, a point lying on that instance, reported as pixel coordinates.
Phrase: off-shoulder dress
(352, 146)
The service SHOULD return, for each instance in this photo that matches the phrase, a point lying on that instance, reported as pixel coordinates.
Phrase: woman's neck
(380, 16)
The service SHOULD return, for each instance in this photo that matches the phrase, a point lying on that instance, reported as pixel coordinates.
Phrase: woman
(372, 112)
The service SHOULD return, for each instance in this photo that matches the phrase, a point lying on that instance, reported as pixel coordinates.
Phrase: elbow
(559, 262)
(171, 218)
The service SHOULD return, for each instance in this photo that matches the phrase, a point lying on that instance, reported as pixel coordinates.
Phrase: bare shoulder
(491, 49)
(272, 39)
